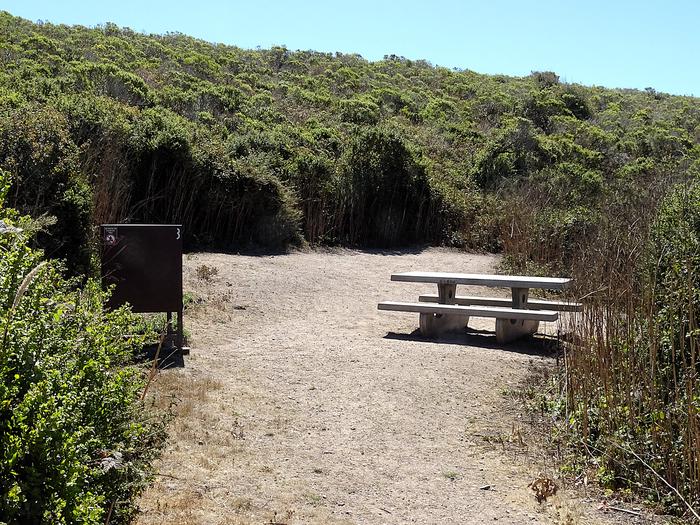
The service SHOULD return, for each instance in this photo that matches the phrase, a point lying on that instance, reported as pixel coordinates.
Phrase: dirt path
(301, 403)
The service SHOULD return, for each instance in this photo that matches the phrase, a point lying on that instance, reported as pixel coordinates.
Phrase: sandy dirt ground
(301, 403)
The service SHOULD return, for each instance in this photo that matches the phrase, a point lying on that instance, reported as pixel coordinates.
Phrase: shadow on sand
(171, 357)
(535, 345)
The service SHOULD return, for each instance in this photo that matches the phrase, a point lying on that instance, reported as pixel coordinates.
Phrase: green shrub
(144, 118)
(314, 184)
(545, 79)
(75, 441)
(359, 111)
(37, 149)
(674, 266)
(513, 153)
(576, 102)
(385, 192)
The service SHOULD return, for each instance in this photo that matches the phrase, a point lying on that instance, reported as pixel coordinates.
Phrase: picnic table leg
(510, 329)
(433, 325)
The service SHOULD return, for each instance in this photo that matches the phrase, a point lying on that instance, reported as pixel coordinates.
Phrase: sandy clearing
(301, 403)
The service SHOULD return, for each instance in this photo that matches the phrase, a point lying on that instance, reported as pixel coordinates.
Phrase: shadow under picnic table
(538, 344)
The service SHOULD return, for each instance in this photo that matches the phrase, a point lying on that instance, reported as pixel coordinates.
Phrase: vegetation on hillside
(274, 147)
(269, 146)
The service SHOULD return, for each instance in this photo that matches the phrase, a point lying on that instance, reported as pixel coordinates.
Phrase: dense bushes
(36, 146)
(673, 408)
(626, 397)
(269, 146)
(75, 442)
(629, 387)
(385, 193)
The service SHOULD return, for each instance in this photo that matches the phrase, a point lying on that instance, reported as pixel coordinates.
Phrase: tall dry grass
(629, 396)
(218, 205)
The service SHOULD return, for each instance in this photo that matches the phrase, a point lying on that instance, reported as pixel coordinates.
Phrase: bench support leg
(434, 325)
(508, 330)
(446, 293)
(511, 329)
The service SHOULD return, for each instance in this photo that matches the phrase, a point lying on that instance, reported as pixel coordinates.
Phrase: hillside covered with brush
(269, 147)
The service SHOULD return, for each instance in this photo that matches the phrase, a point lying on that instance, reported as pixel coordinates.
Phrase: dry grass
(208, 437)
(630, 368)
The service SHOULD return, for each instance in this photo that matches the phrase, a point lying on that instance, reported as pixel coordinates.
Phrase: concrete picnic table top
(495, 281)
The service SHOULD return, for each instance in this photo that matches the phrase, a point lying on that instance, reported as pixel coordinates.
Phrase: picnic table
(515, 316)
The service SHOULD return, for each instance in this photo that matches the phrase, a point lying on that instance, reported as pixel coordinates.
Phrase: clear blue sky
(614, 43)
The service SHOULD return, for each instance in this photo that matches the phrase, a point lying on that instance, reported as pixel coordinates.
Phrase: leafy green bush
(511, 155)
(359, 111)
(37, 149)
(674, 267)
(75, 442)
(385, 192)
(576, 102)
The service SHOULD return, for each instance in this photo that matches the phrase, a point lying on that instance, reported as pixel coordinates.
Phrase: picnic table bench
(515, 317)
